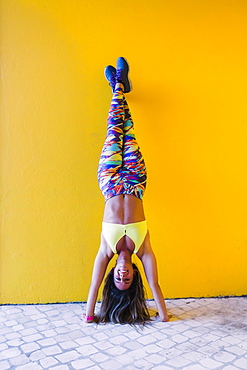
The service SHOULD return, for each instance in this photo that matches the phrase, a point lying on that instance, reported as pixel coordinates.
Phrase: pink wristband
(89, 318)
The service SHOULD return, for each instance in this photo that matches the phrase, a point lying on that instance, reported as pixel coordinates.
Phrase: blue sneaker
(110, 75)
(122, 74)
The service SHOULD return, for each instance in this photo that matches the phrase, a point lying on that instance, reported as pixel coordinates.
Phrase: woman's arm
(150, 267)
(99, 269)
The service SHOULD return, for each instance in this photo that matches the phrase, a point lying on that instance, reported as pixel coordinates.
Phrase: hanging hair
(124, 306)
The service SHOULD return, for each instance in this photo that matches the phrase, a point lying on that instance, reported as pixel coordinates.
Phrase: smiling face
(123, 275)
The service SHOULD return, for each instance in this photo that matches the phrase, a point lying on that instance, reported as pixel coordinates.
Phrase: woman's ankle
(119, 85)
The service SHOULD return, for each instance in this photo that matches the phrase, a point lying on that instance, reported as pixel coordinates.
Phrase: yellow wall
(188, 66)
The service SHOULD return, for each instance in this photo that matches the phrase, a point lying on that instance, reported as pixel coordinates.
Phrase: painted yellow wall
(188, 66)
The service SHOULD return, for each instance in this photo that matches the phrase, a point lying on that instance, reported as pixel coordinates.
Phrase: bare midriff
(123, 209)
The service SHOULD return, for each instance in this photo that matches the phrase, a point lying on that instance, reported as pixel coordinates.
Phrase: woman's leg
(134, 166)
(111, 159)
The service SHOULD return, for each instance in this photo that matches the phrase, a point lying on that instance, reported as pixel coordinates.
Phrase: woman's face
(123, 275)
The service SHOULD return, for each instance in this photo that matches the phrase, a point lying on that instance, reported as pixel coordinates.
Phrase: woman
(122, 180)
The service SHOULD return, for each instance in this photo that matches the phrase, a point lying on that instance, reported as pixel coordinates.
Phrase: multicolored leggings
(121, 167)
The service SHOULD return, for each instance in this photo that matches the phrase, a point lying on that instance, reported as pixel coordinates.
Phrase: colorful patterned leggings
(121, 167)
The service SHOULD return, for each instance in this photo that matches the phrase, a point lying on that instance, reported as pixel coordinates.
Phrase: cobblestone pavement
(202, 334)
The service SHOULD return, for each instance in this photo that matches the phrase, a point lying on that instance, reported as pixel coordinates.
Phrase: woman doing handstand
(122, 179)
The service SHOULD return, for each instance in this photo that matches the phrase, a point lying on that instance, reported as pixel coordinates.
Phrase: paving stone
(146, 339)
(194, 356)
(29, 347)
(68, 344)
(11, 310)
(178, 362)
(133, 335)
(166, 343)
(99, 357)
(138, 354)
(232, 340)
(49, 333)
(4, 331)
(194, 367)
(18, 327)
(87, 350)
(124, 359)
(85, 340)
(119, 339)
(116, 350)
(201, 329)
(243, 345)
(4, 365)
(219, 344)
(82, 364)
(37, 355)
(46, 342)
(45, 327)
(52, 350)
(224, 357)
(241, 363)
(62, 329)
(103, 345)
(37, 317)
(12, 335)
(236, 350)
(2, 339)
(14, 343)
(62, 338)
(178, 338)
(100, 336)
(152, 348)
(143, 364)
(111, 364)
(32, 338)
(208, 350)
(42, 321)
(68, 356)
(31, 310)
(210, 364)
(45, 307)
(163, 367)
(207, 333)
(3, 346)
(191, 333)
(11, 323)
(32, 366)
(180, 327)
(47, 362)
(77, 334)
(133, 345)
(170, 332)
(29, 331)
(241, 334)
(171, 353)
(52, 313)
(155, 359)
(10, 353)
(19, 360)
(210, 337)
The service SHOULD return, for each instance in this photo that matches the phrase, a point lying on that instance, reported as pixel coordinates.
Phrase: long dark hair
(124, 306)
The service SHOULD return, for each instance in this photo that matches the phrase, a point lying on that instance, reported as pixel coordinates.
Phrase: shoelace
(119, 75)
(112, 81)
